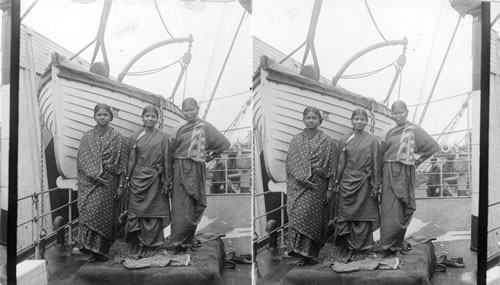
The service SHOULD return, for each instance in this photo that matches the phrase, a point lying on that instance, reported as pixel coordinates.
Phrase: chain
(43, 232)
(160, 119)
(372, 120)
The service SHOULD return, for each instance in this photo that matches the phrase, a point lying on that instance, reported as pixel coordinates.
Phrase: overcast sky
(344, 30)
(134, 25)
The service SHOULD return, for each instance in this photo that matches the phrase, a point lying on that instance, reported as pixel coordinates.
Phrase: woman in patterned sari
(149, 177)
(406, 146)
(359, 176)
(310, 165)
(101, 163)
(196, 142)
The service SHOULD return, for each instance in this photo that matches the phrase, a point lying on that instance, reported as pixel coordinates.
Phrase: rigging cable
(400, 82)
(228, 96)
(151, 71)
(185, 82)
(28, 10)
(439, 71)
(442, 99)
(373, 20)
(161, 18)
(369, 73)
(212, 54)
(224, 64)
(428, 61)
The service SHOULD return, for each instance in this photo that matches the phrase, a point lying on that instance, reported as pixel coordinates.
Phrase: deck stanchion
(70, 218)
(36, 220)
(282, 219)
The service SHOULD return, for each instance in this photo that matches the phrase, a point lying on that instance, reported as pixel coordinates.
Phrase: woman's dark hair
(361, 112)
(190, 101)
(399, 103)
(150, 108)
(105, 107)
(315, 111)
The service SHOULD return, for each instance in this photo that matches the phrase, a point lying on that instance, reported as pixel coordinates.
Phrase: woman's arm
(132, 158)
(166, 178)
(216, 142)
(123, 168)
(425, 145)
(376, 177)
(340, 170)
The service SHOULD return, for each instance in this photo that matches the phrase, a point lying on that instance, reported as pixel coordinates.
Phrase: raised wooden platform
(207, 264)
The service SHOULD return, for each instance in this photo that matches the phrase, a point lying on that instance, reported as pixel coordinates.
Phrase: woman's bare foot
(97, 257)
(306, 261)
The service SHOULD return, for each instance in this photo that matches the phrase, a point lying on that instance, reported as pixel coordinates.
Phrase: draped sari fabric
(148, 208)
(358, 212)
(193, 141)
(311, 158)
(402, 143)
(101, 154)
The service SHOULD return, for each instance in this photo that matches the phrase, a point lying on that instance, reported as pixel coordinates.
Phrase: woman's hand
(101, 180)
(209, 157)
(307, 182)
(375, 192)
(329, 196)
(166, 189)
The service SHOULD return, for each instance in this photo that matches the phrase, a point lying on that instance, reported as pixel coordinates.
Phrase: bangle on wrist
(120, 186)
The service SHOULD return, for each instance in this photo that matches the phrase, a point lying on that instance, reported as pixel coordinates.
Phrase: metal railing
(283, 225)
(226, 177)
(450, 180)
(40, 233)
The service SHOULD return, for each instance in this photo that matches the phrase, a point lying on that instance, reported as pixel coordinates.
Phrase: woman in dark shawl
(196, 142)
(406, 146)
(310, 166)
(101, 163)
(359, 176)
(149, 176)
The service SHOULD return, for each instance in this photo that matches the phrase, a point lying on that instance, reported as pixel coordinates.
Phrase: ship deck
(447, 219)
(62, 266)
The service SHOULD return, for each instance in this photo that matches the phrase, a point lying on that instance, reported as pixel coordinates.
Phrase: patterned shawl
(308, 156)
(101, 154)
(195, 139)
(403, 142)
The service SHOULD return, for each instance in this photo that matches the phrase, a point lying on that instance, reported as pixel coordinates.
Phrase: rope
(400, 82)
(373, 20)
(369, 73)
(185, 81)
(161, 18)
(152, 71)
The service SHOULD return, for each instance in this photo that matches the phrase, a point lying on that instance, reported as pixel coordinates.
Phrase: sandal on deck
(439, 268)
(228, 264)
(452, 262)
